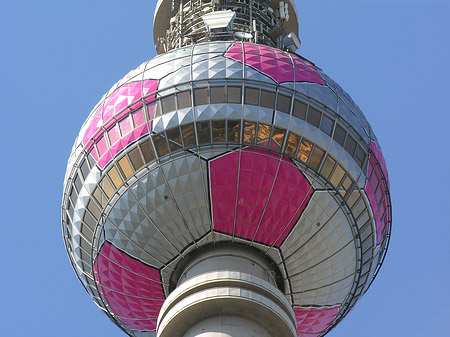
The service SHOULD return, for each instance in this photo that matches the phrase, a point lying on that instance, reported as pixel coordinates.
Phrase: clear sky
(59, 57)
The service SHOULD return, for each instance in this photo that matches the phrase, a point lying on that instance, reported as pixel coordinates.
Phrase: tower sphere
(226, 163)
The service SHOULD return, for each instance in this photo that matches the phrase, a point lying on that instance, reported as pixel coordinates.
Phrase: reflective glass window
(85, 245)
(263, 131)
(348, 182)
(299, 109)
(91, 161)
(327, 167)
(278, 136)
(84, 169)
(218, 131)
(217, 95)
(252, 96)
(174, 137)
(358, 208)
(114, 175)
(268, 99)
(337, 176)
(316, 158)
(95, 211)
(201, 96)
(160, 145)
(136, 158)
(203, 133)
(147, 151)
(354, 197)
(233, 131)
(125, 166)
(89, 221)
(77, 183)
(249, 132)
(107, 187)
(360, 155)
(234, 94)
(350, 145)
(304, 151)
(168, 104)
(313, 116)
(327, 125)
(284, 103)
(73, 195)
(292, 144)
(188, 135)
(87, 232)
(98, 195)
(339, 134)
(184, 100)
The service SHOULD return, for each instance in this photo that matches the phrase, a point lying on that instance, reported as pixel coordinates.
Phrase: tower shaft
(227, 291)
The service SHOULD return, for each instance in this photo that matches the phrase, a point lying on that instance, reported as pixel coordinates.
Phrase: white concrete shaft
(226, 292)
(226, 326)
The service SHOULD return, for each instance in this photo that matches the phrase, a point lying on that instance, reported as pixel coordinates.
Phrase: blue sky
(59, 57)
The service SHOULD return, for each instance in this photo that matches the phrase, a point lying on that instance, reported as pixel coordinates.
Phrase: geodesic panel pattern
(377, 190)
(279, 65)
(312, 322)
(131, 289)
(228, 141)
(319, 253)
(257, 195)
(162, 213)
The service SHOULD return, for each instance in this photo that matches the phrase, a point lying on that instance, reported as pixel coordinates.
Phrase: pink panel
(376, 151)
(116, 102)
(132, 289)
(138, 118)
(105, 159)
(311, 322)
(275, 63)
(381, 211)
(125, 126)
(148, 87)
(271, 195)
(101, 146)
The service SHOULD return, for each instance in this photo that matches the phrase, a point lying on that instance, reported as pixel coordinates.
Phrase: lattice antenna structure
(228, 186)
(258, 21)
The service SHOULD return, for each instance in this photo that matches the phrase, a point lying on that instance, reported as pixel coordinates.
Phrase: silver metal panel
(187, 181)
(316, 256)
(320, 93)
(344, 159)
(281, 120)
(185, 116)
(202, 112)
(310, 132)
(219, 111)
(256, 75)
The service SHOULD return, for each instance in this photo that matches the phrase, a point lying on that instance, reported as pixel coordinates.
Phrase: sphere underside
(222, 142)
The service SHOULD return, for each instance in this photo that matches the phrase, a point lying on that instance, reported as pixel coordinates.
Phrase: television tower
(228, 186)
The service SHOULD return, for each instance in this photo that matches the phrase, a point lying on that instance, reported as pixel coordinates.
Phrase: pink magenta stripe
(263, 212)
(378, 165)
(311, 322)
(122, 129)
(376, 151)
(275, 63)
(132, 289)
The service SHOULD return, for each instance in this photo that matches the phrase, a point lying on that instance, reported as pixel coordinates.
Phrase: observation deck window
(284, 103)
(233, 131)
